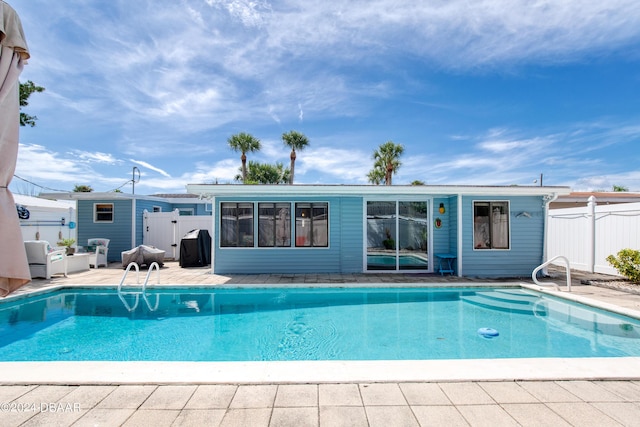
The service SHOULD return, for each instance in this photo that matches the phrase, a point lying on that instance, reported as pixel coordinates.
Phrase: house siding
(442, 235)
(347, 232)
(118, 231)
(351, 235)
(344, 253)
(526, 240)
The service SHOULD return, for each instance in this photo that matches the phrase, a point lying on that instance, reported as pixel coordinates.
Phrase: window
(312, 224)
(103, 212)
(274, 224)
(185, 211)
(157, 209)
(491, 225)
(236, 224)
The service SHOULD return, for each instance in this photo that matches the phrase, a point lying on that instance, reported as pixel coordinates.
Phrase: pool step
(503, 300)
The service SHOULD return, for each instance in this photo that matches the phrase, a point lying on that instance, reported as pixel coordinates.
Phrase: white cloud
(149, 166)
(168, 78)
(95, 157)
(42, 166)
(343, 165)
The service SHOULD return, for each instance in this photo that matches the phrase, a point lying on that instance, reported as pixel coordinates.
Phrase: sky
(482, 92)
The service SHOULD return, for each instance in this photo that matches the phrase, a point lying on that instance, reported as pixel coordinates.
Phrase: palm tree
(265, 173)
(376, 176)
(294, 140)
(387, 161)
(244, 143)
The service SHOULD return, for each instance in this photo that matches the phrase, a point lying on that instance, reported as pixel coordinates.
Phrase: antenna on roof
(535, 180)
(134, 180)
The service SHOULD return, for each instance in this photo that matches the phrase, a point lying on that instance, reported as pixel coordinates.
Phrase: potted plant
(388, 243)
(67, 243)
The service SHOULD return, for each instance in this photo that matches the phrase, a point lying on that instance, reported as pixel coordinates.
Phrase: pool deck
(557, 392)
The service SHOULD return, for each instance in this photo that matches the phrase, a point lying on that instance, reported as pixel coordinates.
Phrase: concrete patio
(454, 401)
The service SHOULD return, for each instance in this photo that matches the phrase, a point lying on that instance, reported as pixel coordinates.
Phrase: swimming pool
(388, 262)
(288, 324)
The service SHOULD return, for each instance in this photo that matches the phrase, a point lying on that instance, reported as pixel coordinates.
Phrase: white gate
(587, 235)
(164, 230)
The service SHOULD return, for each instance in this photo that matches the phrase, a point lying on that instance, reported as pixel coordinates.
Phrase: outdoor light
(441, 209)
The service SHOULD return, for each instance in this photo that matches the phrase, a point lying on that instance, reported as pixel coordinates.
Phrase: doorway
(397, 236)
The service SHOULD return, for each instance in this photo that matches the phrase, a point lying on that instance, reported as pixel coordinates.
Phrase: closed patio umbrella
(14, 269)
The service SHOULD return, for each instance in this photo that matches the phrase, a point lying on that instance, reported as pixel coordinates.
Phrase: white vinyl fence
(587, 235)
(164, 230)
(49, 224)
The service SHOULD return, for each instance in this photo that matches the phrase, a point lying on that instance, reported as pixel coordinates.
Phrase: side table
(448, 263)
(77, 262)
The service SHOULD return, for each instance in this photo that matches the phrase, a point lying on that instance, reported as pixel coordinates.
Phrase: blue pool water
(309, 324)
(386, 261)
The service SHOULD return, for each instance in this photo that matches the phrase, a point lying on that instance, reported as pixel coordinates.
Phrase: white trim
(459, 242)
(95, 213)
(473, 235)
(397, 200)
(236, 190)
(213, 235)
(256, 222)
(133, 224)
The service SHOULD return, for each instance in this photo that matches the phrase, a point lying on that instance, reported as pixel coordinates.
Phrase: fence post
(591, 234)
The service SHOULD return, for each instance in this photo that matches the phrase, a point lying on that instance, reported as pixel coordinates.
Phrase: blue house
(119, 216)
(475, 231)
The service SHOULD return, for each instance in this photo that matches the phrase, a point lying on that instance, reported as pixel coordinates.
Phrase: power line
(38, 185)
(62, 191)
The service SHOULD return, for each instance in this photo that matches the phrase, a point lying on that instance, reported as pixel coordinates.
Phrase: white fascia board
(111, 196)
(209, 190)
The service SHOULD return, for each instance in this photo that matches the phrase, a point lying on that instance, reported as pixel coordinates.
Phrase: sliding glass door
(413, 231)
(397, 236)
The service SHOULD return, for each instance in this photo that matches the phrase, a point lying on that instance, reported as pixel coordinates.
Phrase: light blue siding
(118, 232)
(442, 235)
(346, 235)
(526, 236)
(343, 255)
(351, 235)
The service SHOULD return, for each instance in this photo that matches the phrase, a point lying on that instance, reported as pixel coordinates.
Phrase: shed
(119, 217)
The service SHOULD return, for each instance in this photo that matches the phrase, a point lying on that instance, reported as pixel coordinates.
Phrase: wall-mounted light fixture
(441, 208)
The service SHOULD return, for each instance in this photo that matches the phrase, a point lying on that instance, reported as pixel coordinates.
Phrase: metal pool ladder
(141, 291)
(541, 266)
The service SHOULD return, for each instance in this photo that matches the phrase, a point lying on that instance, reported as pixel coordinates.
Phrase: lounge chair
(44, 260)
(98, 250)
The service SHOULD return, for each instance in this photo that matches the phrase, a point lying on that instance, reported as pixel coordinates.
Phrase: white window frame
(253, 222)
(103, 221)
(491, 237)
(294, 220)
(257, 225)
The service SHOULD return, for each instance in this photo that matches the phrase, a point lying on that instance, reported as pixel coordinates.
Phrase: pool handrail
(156, 266)
(543, 265)
(137, 294)
(143, 290)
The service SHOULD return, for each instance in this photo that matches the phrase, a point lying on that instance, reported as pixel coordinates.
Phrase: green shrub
(627, 263)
